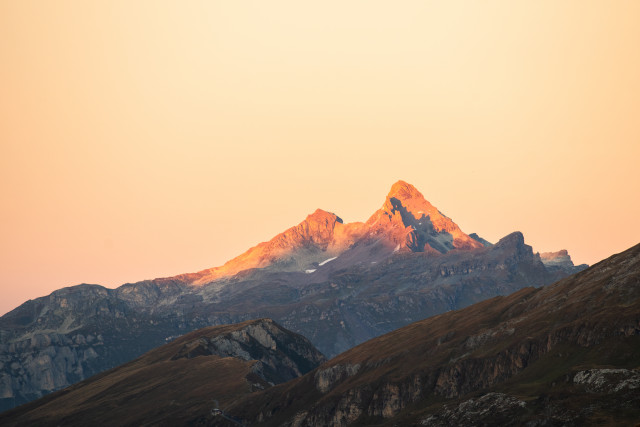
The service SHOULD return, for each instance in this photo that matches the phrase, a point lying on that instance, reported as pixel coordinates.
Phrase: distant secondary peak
(323, 216)
(553, 255)
(514, 239)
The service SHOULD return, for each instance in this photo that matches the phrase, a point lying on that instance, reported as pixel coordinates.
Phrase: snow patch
(310, 271)
(327, 260)
(396, 249)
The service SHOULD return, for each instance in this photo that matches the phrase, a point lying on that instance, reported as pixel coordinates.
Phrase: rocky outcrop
(561, 261)
(484, 410)
(326, 378)
(279, 354)
(608, 380)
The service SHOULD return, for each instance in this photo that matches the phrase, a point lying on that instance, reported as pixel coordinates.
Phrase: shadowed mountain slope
(565, 354)
(187, 378)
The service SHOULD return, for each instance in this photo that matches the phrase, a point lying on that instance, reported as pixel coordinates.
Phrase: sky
(152, 138)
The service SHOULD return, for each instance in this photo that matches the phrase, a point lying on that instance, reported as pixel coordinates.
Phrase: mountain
(188, 377)
(337, 284)
(406, 221)
(565, 354)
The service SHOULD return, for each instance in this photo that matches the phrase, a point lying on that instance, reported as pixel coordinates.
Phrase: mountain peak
(409, 220)
(402, 190)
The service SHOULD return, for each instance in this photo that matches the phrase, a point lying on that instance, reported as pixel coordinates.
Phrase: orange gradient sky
(142, 139)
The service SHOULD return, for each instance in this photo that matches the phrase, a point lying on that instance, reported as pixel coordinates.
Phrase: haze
(147, 139)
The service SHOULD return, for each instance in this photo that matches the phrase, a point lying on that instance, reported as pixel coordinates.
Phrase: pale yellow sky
(151, 138)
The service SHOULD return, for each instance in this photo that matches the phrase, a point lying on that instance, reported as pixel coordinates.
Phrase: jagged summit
(406, 222)
(406, 195)
(413, 223)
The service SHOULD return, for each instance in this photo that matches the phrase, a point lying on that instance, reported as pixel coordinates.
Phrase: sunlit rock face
(409, 220)
(406, 221)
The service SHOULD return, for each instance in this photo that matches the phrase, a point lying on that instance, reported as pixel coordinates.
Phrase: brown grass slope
(525, 349)
(182, 380)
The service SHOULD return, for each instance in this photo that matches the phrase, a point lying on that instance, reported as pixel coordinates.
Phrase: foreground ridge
(198, 372)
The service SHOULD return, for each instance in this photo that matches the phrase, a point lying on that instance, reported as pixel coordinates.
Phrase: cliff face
(523, 355)
(201, 371)
(338, 284)
(52, 342)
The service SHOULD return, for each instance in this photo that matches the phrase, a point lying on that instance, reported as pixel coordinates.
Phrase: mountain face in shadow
(188, 378)
(337, 284)
(564, 354)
